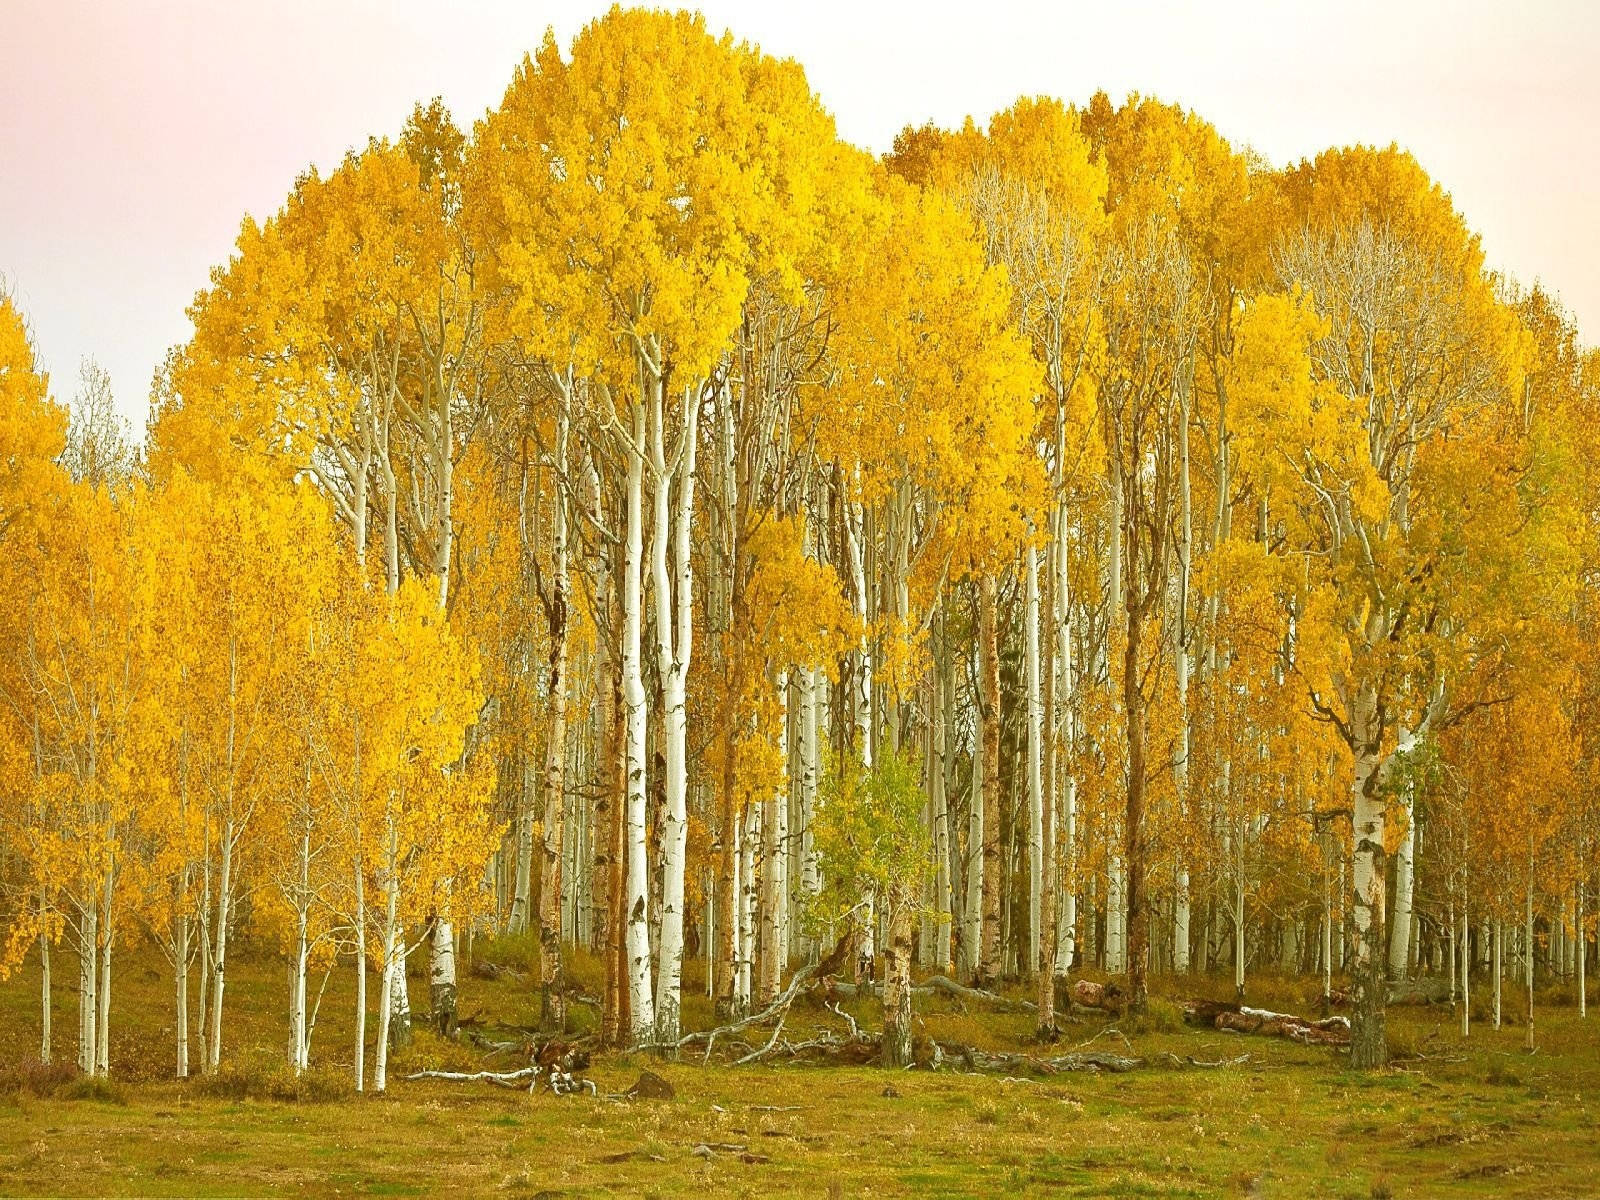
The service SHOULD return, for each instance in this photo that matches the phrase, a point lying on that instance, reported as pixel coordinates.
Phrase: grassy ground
(1480, 1119)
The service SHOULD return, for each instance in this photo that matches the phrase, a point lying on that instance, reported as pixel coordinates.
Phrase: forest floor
(1449, 1119)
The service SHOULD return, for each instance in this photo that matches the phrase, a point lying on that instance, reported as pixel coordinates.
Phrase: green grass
(1480, 1119)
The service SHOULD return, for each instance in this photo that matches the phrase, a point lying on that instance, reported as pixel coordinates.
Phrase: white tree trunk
(1067, 943)
(775, 859)
(941, 826)
(748, 901)
(1400, 924)
(88, 976)
(1527, 958)
(1036, 718)
(1368, 1043)
(442, 975)
(636, 751)
(44, 999)
(1116, 918)
(861, 693)
(1066, 724)
(674, 644)
(220, 948)
(740, 988)
(180, 973)
(1239, 946)
(1327, 940)
(102, 1050)
(1581, 964)
(522, 887)
(387, 1000)
(810, 765)
(360, 1068)
(1180, 763)
(1497, 968)
(973, 908)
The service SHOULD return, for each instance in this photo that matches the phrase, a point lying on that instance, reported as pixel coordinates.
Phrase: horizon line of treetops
(650, 521)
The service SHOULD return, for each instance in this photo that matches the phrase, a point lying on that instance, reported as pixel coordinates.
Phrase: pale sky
(134, 136)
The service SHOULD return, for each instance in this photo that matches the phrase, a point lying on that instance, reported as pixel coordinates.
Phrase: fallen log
(1419, 991)
(949, 987)
(1016, 1064)
(1240, 1018)
(503, 1078)
(777, 1009)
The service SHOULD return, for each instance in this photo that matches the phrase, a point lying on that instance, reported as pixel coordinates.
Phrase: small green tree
(873, 843)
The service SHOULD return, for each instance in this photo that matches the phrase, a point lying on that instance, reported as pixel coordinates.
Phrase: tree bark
(674, 590)
(1133, 819)
(1368, 1043)
(641, 1026)
(552, 998)
(44, 1000)
(897, 982)
(993, 866)
(1036, 720)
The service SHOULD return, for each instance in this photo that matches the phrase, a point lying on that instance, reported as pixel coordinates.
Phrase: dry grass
(1479, 1120)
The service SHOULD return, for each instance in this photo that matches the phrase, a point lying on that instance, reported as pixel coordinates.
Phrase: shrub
(1159, 1016)
(257, 1082)
(92, 1087)
(430, 1052)
(34, 1078)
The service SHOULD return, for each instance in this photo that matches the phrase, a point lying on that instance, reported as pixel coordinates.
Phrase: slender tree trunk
(774, 882)
(103, 990)
(1133, 820)
(641, 1027)
(674, 642)
(939, 797)
(202, 1007)
(360, 1068)
(861, 692)
(394, 966)
(1045, 981)
(749, 839)
(522, 885)
(612, 818)
(297, 992)
(180, 973)
(972, 939)
(1498, 967)
(44, 1000)
(1036, 720)
(552, 998)
(1327, 940)
(810, 762)
(1400, 925)
(1180, 763)
(1527, 956)
(1583, 956)
(220, 944)
(993, 863)
(88, 976)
